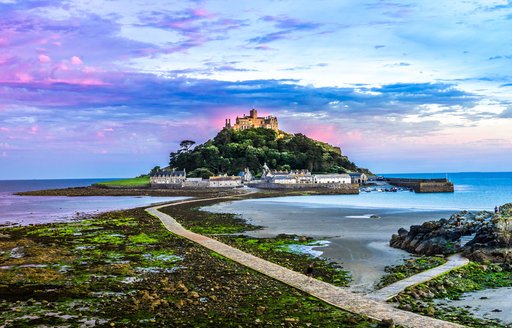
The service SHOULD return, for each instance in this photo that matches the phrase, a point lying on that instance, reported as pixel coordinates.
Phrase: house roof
(167, 173)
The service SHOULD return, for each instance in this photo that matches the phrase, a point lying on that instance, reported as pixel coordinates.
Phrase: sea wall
(423, 185)
(338, 188)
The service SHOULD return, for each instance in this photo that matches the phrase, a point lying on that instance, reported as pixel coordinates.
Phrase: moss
(409, 268)
(142, 239)
(124, 274)
(452, 285)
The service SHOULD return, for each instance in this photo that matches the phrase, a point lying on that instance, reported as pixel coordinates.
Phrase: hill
(231, 151)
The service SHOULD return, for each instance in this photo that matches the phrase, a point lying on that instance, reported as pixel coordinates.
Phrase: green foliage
(201, 172)
(232, 151)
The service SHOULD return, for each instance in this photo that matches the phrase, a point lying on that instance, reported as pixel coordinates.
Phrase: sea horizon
(128, 177)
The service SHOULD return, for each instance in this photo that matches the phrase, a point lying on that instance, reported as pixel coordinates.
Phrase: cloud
(506, 113)
(75, 60)
(500, 57)
(287, 28)
(196, 26)
(144, 100)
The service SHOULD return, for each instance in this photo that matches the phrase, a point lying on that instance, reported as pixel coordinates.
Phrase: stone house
(225, 182)
(358, 177)
(168, 177)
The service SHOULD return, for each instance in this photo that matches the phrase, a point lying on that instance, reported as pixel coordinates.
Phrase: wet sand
(357, 240)
(489, 304)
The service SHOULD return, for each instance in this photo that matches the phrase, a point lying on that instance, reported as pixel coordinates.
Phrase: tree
(231, 151)
(186, 145)
(154, 170)
(201, 172)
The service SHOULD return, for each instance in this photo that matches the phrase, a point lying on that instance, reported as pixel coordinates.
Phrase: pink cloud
(23, 77)
(201, 12)
(44, 58)
(75, 60)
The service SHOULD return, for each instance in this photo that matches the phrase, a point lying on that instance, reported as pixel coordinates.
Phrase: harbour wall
(423, 185)
(335, 188)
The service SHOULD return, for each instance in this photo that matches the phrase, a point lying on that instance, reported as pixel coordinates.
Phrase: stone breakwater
(479, 236)
(423, 185)
(327, 188)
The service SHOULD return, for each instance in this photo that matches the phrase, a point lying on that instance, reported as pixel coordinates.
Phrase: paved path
(384, 294)
(337, 296)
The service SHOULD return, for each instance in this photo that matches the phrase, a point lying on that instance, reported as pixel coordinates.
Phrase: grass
(132, 182)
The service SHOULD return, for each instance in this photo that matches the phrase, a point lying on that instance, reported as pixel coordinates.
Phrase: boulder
(492, 239)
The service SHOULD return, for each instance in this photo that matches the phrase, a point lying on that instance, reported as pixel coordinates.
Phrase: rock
(260, 310)
(497, 310)
(491, 242)
(17, 252)
(388, 323)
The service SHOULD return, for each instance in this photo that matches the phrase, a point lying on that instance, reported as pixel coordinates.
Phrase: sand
(489, 304)
(357, 240)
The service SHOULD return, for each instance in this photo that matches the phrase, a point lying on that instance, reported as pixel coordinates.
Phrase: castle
(253, 121)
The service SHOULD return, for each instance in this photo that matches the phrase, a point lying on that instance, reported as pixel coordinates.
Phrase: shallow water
(45, 209)
(489, 303)
(358, 242)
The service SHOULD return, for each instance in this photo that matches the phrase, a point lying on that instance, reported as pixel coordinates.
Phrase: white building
(332, 178)
(195, 183)
(169, 177)
(225, 182)
(283, 179)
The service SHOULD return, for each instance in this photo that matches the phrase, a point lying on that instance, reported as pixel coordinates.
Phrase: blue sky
(109, 88)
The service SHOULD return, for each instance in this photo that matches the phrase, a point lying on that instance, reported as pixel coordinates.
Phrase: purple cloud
(196, 26)
(75, 50)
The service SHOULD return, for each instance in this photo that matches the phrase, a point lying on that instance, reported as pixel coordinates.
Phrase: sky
(108, 88)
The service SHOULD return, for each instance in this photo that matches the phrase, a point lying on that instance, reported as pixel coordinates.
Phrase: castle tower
(253, 121)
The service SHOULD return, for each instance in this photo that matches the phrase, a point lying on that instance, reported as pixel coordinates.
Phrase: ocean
(44, 209)
(357, 228)
(473, 191)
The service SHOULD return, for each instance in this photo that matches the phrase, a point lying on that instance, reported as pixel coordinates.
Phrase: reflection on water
(44, 209)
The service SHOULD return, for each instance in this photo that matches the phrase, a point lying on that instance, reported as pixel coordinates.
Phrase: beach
(358, 237)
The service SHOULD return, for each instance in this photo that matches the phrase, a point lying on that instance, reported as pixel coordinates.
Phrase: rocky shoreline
(482, 236)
